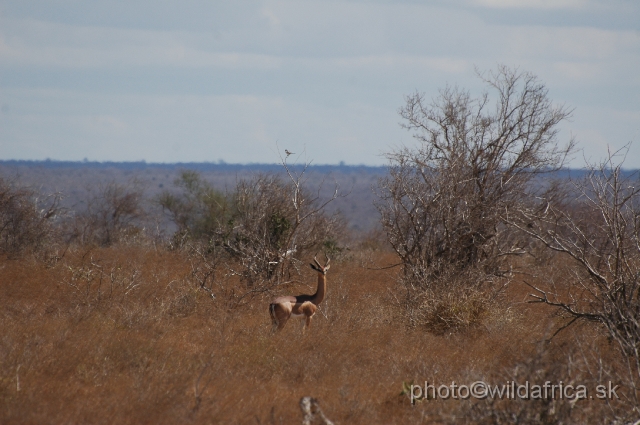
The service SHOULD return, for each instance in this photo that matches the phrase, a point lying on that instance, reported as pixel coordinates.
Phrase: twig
(383, 268)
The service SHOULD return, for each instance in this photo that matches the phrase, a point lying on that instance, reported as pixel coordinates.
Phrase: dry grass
(122, 335)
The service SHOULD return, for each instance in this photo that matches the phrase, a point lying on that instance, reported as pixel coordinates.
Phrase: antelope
(283, 308)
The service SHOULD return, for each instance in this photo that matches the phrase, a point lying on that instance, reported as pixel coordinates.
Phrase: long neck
(320, 291)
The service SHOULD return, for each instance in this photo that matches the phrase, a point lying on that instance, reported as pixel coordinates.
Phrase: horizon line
(209, 163)
(219, 163)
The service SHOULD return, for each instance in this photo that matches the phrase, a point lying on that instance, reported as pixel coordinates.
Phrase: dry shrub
(262, 233)
(114, 213)
(596, 233)
(183, 305)
(581, 360)
(442, 203)
(95, 281)
(26, 220)
(455, 303)
(450, 311)
(276, 225)
(197, 210)
(546, 364)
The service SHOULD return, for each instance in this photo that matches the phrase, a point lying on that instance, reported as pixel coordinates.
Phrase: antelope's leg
(279, 316)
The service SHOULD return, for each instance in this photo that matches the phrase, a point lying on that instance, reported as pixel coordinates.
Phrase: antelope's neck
(320, 291)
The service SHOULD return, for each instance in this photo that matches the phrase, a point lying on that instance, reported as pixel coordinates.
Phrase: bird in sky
(288, 153)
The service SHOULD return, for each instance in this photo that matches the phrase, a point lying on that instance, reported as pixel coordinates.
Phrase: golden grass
(122, 335)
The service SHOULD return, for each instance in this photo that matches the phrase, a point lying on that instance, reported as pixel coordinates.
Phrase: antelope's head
(319, 267)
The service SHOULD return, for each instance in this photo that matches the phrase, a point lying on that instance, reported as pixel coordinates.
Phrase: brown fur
(283, 308)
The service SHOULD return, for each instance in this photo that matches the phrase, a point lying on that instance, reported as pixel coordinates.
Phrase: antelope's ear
(327, 268)
(313, 267)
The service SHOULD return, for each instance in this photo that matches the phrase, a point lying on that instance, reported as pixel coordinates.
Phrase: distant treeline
(227, 167)
(196, 166)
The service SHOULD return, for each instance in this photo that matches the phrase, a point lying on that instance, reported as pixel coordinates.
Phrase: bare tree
(26, 219)
(441, 203)
(259, 231)
(114, 211)
(276, 222)
(600, 234)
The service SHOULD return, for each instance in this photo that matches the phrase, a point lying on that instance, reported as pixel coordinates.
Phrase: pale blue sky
(203, 80)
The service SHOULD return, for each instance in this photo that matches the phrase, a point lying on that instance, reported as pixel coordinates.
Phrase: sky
(240, 81)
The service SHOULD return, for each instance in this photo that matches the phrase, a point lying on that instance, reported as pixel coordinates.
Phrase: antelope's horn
(328, 259)
(316, 261)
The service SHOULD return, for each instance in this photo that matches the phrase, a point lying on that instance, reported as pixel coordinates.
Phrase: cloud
(236, 128)
(132, 79)
(531, 4)
(574, 43)
(64, 46)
